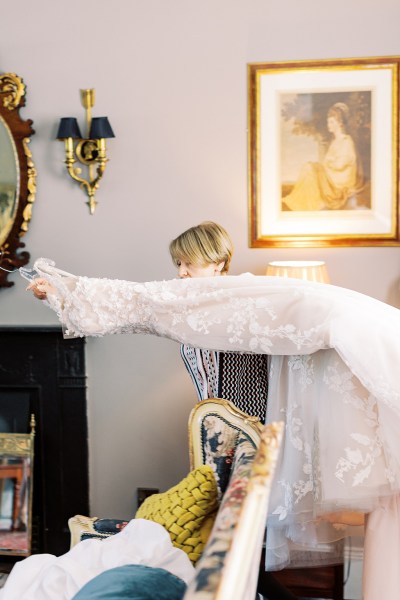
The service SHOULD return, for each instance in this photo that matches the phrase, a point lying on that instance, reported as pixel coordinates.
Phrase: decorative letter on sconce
(89, 151)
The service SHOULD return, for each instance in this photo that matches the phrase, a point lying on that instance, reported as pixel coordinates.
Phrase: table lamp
(313, 270)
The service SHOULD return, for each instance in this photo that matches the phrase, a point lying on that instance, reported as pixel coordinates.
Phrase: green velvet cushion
(133, 582)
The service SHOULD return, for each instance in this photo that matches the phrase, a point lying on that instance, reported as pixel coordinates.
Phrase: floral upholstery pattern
(220, 440)
(213, 558)
(86, 528)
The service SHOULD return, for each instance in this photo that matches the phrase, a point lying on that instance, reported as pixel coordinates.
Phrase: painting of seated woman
(330, 130)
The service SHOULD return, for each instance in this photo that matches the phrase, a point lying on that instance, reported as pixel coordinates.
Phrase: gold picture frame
(323, 143)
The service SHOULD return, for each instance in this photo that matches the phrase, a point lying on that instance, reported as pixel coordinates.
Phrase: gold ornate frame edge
(12, 98)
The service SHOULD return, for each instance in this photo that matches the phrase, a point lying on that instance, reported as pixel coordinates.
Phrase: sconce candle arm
(91, 184)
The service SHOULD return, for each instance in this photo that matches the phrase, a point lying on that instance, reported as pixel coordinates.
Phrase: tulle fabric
(333, 380)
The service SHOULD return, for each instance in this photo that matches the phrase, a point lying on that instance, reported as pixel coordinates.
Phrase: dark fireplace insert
(42, 373)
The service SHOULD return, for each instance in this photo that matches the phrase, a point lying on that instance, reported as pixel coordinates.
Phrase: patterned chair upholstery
(84, 528)
(228, 568)
(215, 428)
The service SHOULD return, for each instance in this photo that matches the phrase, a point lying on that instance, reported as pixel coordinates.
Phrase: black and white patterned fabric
(240, 378)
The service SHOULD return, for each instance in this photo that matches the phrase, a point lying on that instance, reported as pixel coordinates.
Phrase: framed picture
(324, 153)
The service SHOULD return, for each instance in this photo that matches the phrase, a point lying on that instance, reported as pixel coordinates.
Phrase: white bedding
(47, 577)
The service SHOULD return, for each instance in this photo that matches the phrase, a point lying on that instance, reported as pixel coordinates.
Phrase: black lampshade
(100, 128)
(68, 128)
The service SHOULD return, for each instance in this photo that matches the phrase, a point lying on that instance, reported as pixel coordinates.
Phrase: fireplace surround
(44, 374)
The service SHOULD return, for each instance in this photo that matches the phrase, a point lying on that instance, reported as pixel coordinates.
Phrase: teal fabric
(133, 582)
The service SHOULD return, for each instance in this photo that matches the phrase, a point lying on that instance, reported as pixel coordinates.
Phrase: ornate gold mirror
(17, 176)
(16, 487)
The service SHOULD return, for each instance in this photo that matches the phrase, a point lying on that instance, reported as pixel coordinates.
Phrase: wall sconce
(89, 151)
(312, 270)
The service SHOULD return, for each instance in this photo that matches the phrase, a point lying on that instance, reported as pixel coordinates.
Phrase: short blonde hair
(203, 245)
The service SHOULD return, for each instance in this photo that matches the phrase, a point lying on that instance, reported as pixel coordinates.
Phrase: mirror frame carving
(12, 98)
(21, 445)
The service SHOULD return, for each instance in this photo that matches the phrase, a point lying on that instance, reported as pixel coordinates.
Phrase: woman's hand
(41, 288)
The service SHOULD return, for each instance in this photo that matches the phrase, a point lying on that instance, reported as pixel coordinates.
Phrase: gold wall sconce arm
(89, 151)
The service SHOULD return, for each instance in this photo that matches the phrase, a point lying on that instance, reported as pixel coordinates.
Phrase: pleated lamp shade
(313, 270)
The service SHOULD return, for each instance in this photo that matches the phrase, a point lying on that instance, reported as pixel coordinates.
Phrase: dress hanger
(26, 273)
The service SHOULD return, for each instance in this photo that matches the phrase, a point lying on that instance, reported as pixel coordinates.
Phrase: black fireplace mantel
(44, 374)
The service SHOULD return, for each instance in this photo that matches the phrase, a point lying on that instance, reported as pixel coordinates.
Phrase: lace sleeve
(263, 315)
(88, 306)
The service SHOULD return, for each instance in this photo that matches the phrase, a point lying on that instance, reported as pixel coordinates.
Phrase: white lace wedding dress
(333, 378)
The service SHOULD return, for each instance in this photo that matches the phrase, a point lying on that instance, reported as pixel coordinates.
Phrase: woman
(206, 251)
(333, 377)
(330, 184)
